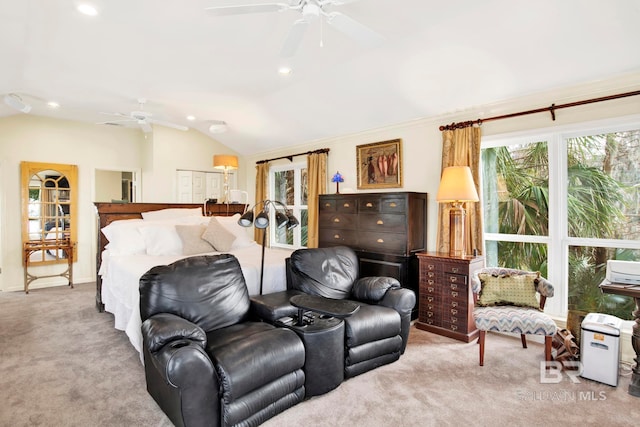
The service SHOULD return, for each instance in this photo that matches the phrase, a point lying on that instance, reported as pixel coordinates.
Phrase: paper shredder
(600, 348)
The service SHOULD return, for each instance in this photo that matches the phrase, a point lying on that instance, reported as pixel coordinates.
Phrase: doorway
(116, 186)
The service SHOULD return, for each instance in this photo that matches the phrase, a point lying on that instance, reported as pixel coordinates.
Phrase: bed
(134, 237)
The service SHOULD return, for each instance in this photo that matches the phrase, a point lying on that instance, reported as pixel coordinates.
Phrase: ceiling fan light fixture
(15, 102)
(218, 126)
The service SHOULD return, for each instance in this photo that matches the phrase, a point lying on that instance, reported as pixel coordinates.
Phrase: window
(288, 185)
(563, 203)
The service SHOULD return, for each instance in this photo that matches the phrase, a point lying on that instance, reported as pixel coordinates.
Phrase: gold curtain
(317, 184)
(461, 147)
(262, 180)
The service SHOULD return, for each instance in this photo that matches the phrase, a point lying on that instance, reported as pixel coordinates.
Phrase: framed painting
(380, 164)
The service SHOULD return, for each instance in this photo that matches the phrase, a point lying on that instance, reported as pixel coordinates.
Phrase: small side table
(329, 307)
(322, 333)
(32, 246)
(634, 292)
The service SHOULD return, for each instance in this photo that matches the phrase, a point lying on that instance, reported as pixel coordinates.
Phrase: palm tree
(596, 204)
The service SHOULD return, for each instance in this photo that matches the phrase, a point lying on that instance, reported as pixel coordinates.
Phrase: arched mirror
(49, 205)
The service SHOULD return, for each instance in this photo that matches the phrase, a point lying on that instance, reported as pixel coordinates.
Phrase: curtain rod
(290, 157)
(552, 109)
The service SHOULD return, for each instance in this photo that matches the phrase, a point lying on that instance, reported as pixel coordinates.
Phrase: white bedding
(121, 274)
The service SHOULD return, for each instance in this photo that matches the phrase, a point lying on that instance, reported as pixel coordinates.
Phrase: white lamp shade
(456, 185)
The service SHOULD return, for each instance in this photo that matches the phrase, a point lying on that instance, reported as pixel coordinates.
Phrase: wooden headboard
(109, 212)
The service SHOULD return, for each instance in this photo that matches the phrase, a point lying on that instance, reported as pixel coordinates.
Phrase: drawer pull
(431, 274)
(453, 279)
(336, 236)
(454, 319)
(380, 241)
(393, 204)
(453, 311)
(454, 294)
(454, 303)
(336, 219)
(380, 222)
(430, 299)
(327, 205)
(429, 313)
(431, 267)
(369, 205)
(454, 328)
(431, 282)
(455, 269)
(454, 286)
(346, 205)
(430, 289)
(430, 321)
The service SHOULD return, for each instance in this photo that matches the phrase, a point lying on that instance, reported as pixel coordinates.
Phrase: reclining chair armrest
(183, 380)
(271, 307)
(402, 300)
(373, 289)
(163, 328)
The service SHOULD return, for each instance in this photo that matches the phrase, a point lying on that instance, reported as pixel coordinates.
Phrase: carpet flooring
(63, 364)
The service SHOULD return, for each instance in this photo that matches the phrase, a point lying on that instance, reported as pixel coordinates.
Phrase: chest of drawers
(445, 296)
(385, 229)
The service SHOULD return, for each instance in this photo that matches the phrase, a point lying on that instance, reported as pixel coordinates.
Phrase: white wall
(32, 138)
(422, 141)
(110, 187)
(90, 147)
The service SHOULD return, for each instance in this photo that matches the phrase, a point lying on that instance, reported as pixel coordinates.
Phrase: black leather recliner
(205, 363)
(377, 333)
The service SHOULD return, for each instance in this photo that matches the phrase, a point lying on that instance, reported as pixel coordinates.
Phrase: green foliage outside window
(602, 203)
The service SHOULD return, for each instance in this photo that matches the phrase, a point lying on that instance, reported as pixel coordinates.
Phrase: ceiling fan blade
(247, 8)
(335, 2)
(352, 28)
(115, 121)
(166, 124)
(296, 33)
(125, 116)
(146, 127)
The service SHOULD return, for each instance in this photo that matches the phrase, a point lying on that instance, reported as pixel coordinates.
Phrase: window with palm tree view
(288, 185)
(563, 203)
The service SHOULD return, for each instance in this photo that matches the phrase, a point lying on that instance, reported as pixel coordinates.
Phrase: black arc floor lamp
(283, 217)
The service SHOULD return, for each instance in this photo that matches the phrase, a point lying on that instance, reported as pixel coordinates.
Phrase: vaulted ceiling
(437, 57)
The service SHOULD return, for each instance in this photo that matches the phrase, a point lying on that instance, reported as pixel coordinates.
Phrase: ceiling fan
(310, 10)
(142, 118)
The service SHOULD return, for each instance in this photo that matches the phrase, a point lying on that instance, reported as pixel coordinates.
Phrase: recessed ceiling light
(284, 71)
(53, 104)
(87, 9)
(191, 118)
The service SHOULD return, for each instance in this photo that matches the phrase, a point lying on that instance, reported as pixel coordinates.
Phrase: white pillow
(171, 213)
(124, 237)
(161, 239)
(242, 237)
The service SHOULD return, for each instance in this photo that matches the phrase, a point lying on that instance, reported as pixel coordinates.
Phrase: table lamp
(457, 187)
(225, 162)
